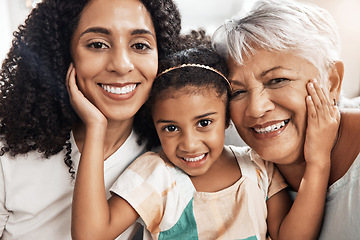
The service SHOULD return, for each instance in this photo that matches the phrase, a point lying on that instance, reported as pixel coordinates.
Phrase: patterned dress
(170, 207)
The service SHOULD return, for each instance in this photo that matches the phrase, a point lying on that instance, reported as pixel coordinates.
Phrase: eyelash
(273, 83)
(277, 81)
(199, 124)
(166, 128)
(93, 45)
(236, 93)
(143, 46)
(101, 45)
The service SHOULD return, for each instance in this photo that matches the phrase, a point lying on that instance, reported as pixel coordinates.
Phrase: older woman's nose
(259, 103)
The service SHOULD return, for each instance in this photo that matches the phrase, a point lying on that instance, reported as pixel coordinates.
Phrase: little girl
(195, 187)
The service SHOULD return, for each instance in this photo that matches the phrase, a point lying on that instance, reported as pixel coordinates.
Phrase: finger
(71, 67)
(71, 81)
(314, 98)
(325, 102)
(312, 113)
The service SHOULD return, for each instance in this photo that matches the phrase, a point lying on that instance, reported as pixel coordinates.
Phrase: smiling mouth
(272, 128)
(194, 159)
(119, 90)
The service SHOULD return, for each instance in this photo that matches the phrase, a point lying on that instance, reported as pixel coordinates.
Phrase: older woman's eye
(277, 81)
(237, 94)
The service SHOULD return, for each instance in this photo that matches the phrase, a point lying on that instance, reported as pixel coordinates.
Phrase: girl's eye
(204, 123)
(170, 128)
(98, 45)
(141, 46)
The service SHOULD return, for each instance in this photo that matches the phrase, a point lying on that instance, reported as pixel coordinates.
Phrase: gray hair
(281, 25)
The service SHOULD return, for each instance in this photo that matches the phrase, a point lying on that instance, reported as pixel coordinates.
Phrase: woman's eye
(170, 128)
(237, 94)
(277, 81)
(98, 45)
(204, 123)
(141, 46)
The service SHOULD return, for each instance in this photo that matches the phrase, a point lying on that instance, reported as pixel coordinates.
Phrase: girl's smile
(192, 132)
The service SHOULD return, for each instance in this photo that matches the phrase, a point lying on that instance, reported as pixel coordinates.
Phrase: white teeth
(194, 159)
(119, 90)
(271, 128)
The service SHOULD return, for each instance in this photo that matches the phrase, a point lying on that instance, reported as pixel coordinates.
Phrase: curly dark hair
(166, 85)
(35, 110)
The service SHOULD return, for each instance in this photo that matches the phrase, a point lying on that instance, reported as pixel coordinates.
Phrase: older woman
(272, 53)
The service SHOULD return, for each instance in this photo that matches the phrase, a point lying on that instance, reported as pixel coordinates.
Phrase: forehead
(264, 62)
(115, 14)
(188, 90)
(188, 102)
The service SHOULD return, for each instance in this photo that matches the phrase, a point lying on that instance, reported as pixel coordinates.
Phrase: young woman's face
(268, 106)
(191, 128)
(115, 56)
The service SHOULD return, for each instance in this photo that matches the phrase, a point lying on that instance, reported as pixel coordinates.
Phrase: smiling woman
(112, 48)
(274, 53)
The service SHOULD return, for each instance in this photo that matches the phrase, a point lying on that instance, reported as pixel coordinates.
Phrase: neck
(293, 173)
(116, 134)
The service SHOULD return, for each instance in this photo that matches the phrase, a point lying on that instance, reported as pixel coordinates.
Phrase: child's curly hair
(35, 111)
(195, 50)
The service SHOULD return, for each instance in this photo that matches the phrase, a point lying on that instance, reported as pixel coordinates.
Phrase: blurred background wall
(209, 14)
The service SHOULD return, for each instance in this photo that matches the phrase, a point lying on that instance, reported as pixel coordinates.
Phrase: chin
(280, 155)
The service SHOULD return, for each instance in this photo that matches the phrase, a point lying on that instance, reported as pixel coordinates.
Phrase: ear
(335, 78)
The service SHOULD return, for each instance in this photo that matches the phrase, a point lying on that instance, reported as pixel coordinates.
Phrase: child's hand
(89, 114)
(322, 126)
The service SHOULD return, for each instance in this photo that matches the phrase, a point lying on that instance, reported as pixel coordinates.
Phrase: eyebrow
(197, 117)
(108, 32)
(205, 115)
(164, 121)
(272, 69)
(142, 31)
(96, 30)
(262, 74)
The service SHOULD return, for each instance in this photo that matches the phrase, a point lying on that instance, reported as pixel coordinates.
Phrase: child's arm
(93, 217)
(304, 219)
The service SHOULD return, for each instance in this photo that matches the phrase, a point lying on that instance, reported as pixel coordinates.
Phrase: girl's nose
(120, 61)
(189, 141)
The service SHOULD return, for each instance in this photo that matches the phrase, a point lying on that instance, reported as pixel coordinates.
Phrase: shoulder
(153, 165)
(350, 126)
(149, 160)
(248, 157)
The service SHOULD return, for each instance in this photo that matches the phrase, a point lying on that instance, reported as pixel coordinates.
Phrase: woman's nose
(120, 61)
(259, 103)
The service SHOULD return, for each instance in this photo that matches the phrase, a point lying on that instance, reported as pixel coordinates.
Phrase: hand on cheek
(323, 123)
(89, 114)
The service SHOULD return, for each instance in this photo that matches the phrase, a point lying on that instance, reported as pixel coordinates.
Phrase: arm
(304, 219)
(93, 217)
(4, 214)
